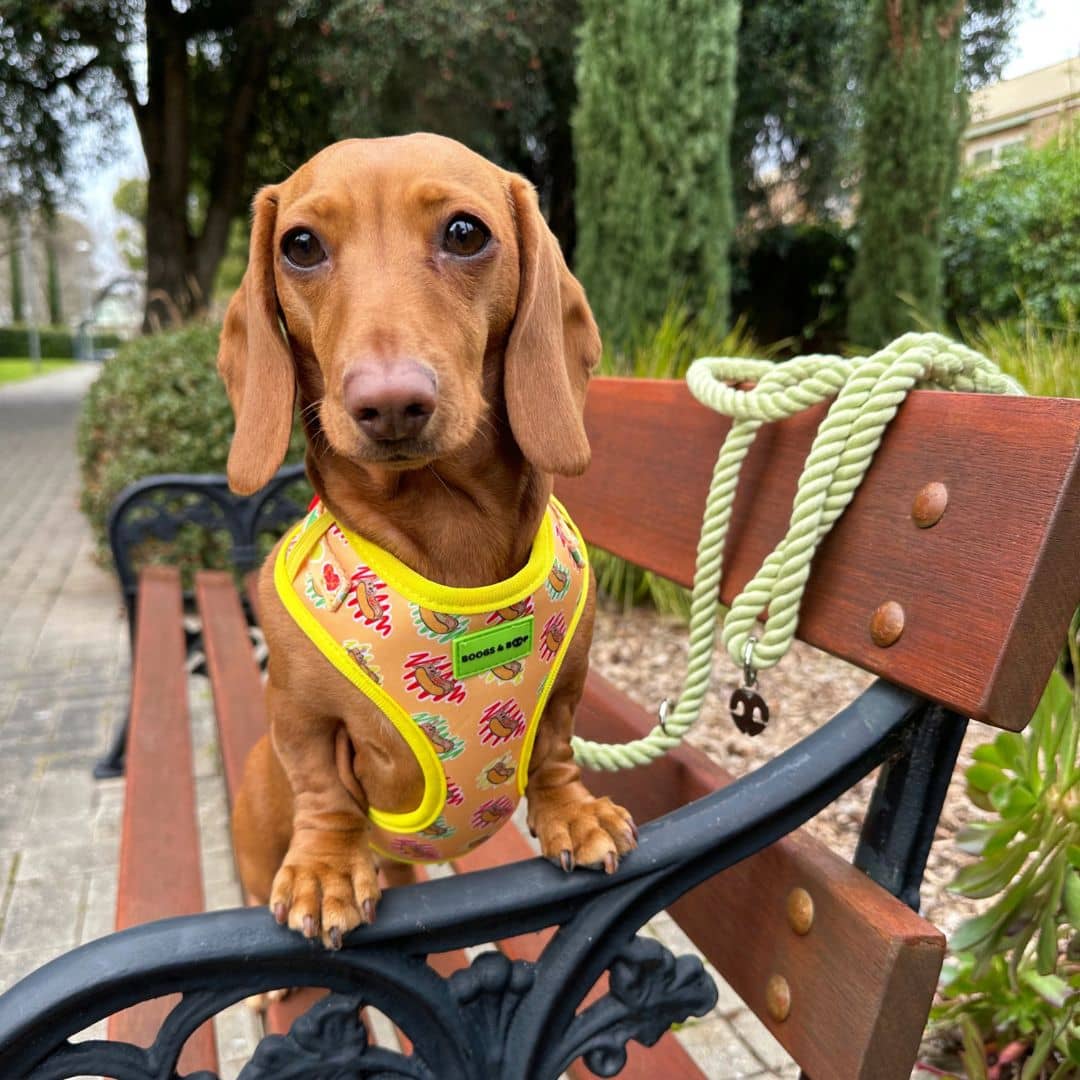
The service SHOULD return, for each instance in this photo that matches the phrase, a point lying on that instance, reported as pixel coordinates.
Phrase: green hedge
(57, 342)
(158, 406)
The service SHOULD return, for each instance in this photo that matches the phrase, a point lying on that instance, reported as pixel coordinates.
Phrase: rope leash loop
(868, 392)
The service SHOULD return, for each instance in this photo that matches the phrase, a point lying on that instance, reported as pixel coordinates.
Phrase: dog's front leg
(327, 883)
(574, 828)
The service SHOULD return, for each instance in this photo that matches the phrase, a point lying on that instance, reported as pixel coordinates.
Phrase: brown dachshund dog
(411, 296)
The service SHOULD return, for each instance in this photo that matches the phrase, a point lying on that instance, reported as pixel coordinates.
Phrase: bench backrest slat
(987, 592)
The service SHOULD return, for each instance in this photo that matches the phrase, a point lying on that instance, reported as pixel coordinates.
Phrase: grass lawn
(14, 368)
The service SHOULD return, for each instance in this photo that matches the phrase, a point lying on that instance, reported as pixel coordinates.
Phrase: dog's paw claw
(594, 834)
(325, 896)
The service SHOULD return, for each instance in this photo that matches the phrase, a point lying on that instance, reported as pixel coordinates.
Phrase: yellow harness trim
(415, 588)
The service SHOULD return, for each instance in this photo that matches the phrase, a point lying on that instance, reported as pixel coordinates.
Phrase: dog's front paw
(592, 832)
(326, 887)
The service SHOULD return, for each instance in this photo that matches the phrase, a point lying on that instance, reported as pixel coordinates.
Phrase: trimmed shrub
(1012, 238)
(158, 406)
(56, 342)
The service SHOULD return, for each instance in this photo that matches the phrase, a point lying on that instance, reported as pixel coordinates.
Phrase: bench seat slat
(160, 872)
(987, 592)
(861, 980)
(234, 675)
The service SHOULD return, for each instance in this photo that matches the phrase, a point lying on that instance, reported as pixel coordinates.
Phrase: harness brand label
(492, 647)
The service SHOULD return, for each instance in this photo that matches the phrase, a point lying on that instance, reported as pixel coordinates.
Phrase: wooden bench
(833, 957)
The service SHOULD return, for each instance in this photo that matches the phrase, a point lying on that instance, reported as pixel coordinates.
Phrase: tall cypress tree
(914, 112)
(656, 89)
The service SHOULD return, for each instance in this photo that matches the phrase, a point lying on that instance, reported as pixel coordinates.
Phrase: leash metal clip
(747, 706)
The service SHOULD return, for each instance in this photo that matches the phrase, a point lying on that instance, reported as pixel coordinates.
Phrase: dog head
(412, 290)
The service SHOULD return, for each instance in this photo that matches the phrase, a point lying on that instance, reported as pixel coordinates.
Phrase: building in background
(1029, 110)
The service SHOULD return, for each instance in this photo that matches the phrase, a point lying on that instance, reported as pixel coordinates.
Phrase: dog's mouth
(398, 454)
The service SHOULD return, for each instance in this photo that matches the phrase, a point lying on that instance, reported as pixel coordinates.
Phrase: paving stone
(754, 1033)
(238, 1028)
(42, 914)
(52, 864)
(18, 964)
(99, 917)
(64, 793)
(718, 1050)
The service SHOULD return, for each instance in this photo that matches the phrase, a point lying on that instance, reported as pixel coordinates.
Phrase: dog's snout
(393, 401)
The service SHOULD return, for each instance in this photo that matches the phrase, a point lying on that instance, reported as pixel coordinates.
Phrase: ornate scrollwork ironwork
(650, 989)
(496, 1021)
(330, 1040)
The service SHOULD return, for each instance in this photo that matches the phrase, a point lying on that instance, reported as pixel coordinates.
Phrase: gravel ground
(644, 654)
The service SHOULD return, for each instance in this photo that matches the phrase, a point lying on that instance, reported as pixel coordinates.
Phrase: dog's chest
(463, 674)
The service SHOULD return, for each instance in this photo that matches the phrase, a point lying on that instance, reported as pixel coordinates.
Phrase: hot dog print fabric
(385, 627)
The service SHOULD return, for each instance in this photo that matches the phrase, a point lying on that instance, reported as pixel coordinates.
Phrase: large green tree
(656, 87)
(799, 102)
(918, 57)
(229, 93)
(497, 77)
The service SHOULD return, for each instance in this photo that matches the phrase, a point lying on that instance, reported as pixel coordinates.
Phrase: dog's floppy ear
(553, 347)
(256, 363)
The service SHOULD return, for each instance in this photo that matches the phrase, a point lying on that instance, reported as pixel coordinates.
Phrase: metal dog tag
(749, 711)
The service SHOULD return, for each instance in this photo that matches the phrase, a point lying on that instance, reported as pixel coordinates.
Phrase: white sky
(1048, 34)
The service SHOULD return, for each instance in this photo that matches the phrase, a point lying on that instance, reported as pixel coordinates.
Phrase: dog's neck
(464, 522)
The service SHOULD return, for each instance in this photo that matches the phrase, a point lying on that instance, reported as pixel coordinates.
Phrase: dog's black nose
(392, 401)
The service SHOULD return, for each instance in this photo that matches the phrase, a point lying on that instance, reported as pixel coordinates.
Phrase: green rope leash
(868, 392)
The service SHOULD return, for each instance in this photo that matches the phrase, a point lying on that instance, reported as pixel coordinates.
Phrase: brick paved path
(63, 686)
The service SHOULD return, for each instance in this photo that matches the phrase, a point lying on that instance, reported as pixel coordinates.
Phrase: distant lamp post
(29, 287)
(85, 341)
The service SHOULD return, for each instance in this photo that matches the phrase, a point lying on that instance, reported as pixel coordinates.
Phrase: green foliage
(493, 77)
(1011, 240)
(664, 353)
(790, 282)
(158, 406)
(651, 135)
(17, 368)
(794, 115)
(913, 114)
(129, 200)
(1015, 975)
(1042, 358)
(56, 342)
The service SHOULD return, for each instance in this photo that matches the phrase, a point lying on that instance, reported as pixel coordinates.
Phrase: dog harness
(462, 674)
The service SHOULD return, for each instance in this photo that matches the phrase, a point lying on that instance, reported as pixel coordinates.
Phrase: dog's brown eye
(302, 248)
(466, 236)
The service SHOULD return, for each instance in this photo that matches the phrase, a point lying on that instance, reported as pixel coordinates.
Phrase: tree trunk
(56, 306)
(227, 197)
(15, 264)
(165, 129)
